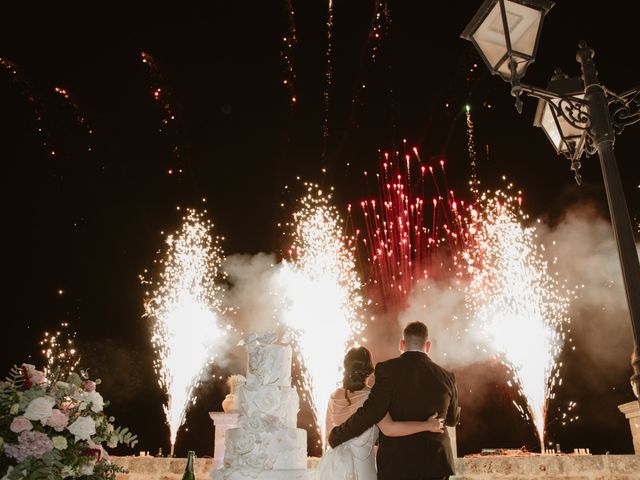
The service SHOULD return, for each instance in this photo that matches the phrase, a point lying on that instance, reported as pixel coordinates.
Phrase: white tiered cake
(266, 445)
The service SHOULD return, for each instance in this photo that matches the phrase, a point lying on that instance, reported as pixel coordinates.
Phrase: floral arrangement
(54, 429)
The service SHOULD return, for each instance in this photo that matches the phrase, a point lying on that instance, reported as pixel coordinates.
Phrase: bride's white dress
(354, 459)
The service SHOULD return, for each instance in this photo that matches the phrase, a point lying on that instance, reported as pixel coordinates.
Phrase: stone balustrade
(547, 467)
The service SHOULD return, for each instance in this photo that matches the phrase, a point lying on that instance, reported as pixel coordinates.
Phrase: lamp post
(578, 115)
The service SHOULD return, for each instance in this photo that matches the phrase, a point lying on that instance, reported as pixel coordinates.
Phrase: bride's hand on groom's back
(435, 424)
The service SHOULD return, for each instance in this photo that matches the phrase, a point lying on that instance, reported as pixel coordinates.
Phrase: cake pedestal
(221, 423)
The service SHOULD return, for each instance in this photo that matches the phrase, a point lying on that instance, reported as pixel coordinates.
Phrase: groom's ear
(401, 346)
(427, 346)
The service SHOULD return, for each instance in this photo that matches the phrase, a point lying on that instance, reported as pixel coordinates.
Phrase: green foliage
(13, 382)
(74, 379)
(126, 437)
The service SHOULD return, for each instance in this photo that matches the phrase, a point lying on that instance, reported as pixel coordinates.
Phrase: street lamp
(578, 115)
(568, 138)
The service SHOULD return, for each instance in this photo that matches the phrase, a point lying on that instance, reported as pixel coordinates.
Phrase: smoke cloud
(581, 252)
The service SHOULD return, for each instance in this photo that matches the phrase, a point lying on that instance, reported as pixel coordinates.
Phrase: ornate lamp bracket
(624, 108)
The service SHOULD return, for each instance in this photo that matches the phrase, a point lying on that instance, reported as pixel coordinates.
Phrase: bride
(354, 459)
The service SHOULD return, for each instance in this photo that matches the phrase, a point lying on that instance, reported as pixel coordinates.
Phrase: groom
(410, 387)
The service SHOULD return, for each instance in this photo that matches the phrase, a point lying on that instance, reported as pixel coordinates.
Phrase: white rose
(96, 400)
(40, 409)
(93, 398)
(87, 469)
(59, 442)
(83, 428)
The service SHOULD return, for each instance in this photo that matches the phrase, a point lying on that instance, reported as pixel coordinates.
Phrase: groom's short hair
(416, 334)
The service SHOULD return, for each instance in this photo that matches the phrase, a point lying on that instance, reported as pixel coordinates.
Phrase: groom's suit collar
(411, 353)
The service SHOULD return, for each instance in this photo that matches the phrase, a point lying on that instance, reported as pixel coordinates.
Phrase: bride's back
(342, 406)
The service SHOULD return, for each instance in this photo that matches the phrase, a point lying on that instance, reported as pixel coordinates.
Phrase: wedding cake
(266, 445)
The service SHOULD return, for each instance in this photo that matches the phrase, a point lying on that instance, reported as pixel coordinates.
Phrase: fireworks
(399, 242)
(289, 42)
(77, 113)
(28, 91)
(328, 75)
(59, 351)
(184, 308)
(515, 305)
(474, 182)
(321, 294)
(514, 301)
(170, 123)
(379, 27)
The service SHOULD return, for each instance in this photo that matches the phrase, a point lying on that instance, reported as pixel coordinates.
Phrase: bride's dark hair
(357, 367)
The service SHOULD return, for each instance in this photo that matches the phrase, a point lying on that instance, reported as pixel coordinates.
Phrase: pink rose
(20, 424)
(37, 377)
(66, 407)
(57, 420)
(89, 386)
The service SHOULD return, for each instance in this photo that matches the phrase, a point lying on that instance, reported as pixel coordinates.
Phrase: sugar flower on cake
(244, 444)
(251, 424)
(259, 462)
(268, 400)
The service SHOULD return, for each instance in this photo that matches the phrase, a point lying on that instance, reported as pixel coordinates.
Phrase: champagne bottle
(188, 471)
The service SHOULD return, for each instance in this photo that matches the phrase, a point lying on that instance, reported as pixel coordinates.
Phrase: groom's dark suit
(410, 387)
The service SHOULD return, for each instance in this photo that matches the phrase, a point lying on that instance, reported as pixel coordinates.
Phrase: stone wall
(151, 468)
(547, 467)
(567, 467)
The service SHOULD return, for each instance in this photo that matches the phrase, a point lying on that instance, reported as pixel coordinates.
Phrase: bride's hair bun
(357, 367)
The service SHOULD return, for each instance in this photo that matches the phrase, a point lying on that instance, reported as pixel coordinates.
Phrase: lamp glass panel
(523, 25)
(568, 131)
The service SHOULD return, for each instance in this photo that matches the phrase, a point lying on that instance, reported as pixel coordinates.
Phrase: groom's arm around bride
(373, 410)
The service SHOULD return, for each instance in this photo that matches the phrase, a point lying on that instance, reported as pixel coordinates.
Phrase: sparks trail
(518, 306)
(403, 229)
(185, 307)
(77, 113)
(474, 181)
(328, 77)
(28, 92)
(289, 43)
(171, 125)
(321, 294)
(59, 351)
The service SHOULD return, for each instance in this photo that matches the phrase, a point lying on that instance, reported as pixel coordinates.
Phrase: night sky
(89, 182)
